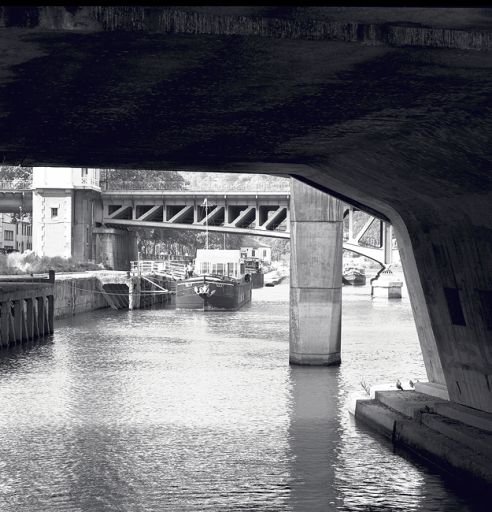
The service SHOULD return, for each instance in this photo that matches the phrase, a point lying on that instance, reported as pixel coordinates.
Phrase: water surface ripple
(159, 409)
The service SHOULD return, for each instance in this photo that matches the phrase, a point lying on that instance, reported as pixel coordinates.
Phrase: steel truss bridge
(256, 213)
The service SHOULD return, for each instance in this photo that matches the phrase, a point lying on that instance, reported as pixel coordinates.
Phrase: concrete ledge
(379, 417)
(467, 415)
(478, 440)
(432, 389)
(399, 401)
(410, 420)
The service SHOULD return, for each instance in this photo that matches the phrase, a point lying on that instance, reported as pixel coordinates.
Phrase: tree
(16, 175)
(143, 179)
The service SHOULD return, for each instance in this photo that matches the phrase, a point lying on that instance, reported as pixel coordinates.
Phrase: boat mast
(206, 223)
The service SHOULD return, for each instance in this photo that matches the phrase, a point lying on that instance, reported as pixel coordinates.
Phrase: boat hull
(222, 295)
(354, 279)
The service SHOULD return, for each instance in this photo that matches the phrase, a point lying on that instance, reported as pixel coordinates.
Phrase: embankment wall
(77, 294)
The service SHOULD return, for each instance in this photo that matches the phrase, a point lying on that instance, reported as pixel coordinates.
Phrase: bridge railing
(15, 185)
(175, 268)
(207, 186)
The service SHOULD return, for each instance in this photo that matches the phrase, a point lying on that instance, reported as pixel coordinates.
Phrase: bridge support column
(316, 276)
(115, 248)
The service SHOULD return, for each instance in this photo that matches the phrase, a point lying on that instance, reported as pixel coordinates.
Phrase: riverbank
(82, 292)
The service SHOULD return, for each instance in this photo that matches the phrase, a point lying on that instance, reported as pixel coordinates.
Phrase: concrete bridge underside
(387, 109)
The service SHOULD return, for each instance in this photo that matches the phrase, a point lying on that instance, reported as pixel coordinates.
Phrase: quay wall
(76, 294)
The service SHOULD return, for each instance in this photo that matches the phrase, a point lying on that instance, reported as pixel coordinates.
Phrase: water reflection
(314, 434)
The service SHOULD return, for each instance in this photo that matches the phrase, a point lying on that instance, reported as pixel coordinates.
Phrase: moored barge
(218, 283)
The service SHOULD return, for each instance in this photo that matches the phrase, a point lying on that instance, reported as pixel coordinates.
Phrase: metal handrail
(211, 186)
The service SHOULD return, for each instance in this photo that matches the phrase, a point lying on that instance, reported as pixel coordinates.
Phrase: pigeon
(398, 385)
(412, 385)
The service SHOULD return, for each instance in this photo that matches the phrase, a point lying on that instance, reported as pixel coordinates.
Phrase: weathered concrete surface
(388, 109)
(315, 277)
(115, 248)
(76, 294)
(420, 423)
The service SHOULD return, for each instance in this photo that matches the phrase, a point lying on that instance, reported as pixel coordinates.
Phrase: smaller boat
(355, 276)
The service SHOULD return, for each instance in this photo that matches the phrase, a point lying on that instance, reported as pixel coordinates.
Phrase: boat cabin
(219, 262)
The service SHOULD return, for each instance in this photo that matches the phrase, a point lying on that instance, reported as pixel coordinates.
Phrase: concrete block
(476, 439)
(408, 403)
(377, 416)
(432, 389)
(467, 415)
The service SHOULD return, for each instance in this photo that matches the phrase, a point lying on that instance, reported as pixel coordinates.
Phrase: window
(8, 235)
(29, 246)
(54, 212)
(220, 269)
(204, 267)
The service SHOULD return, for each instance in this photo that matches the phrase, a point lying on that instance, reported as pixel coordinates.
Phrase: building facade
(64, 209)
(15, 234)
(263, 253)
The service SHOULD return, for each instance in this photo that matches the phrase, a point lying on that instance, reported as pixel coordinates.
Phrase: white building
(63, 211)
(263, 253)
(15, 234)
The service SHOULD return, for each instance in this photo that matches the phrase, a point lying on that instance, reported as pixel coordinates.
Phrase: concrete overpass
(387, 109)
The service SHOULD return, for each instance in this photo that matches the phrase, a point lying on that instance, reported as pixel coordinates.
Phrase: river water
(165, 410)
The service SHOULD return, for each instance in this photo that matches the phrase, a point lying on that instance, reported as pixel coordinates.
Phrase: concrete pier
(386, 285)
(316, 276)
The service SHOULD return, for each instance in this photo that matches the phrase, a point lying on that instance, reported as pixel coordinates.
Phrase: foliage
(142, 179)
(11, 172)
(29, 262)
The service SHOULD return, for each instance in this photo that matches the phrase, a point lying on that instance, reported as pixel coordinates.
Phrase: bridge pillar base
(316, 277)
(115, 248)
(387, 285)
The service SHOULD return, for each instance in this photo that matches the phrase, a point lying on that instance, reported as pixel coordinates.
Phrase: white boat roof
(218, 255)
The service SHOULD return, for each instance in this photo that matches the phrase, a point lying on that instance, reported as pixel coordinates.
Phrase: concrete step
(408, 403)
(463, 461)
(466, 415)
(378, 416)
(410, 420)
(480, 441)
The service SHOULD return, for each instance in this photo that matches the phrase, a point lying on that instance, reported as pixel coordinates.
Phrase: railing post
(51, 314)
(18, 321)
(30, 318)
(5, 323)
(41, 316)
